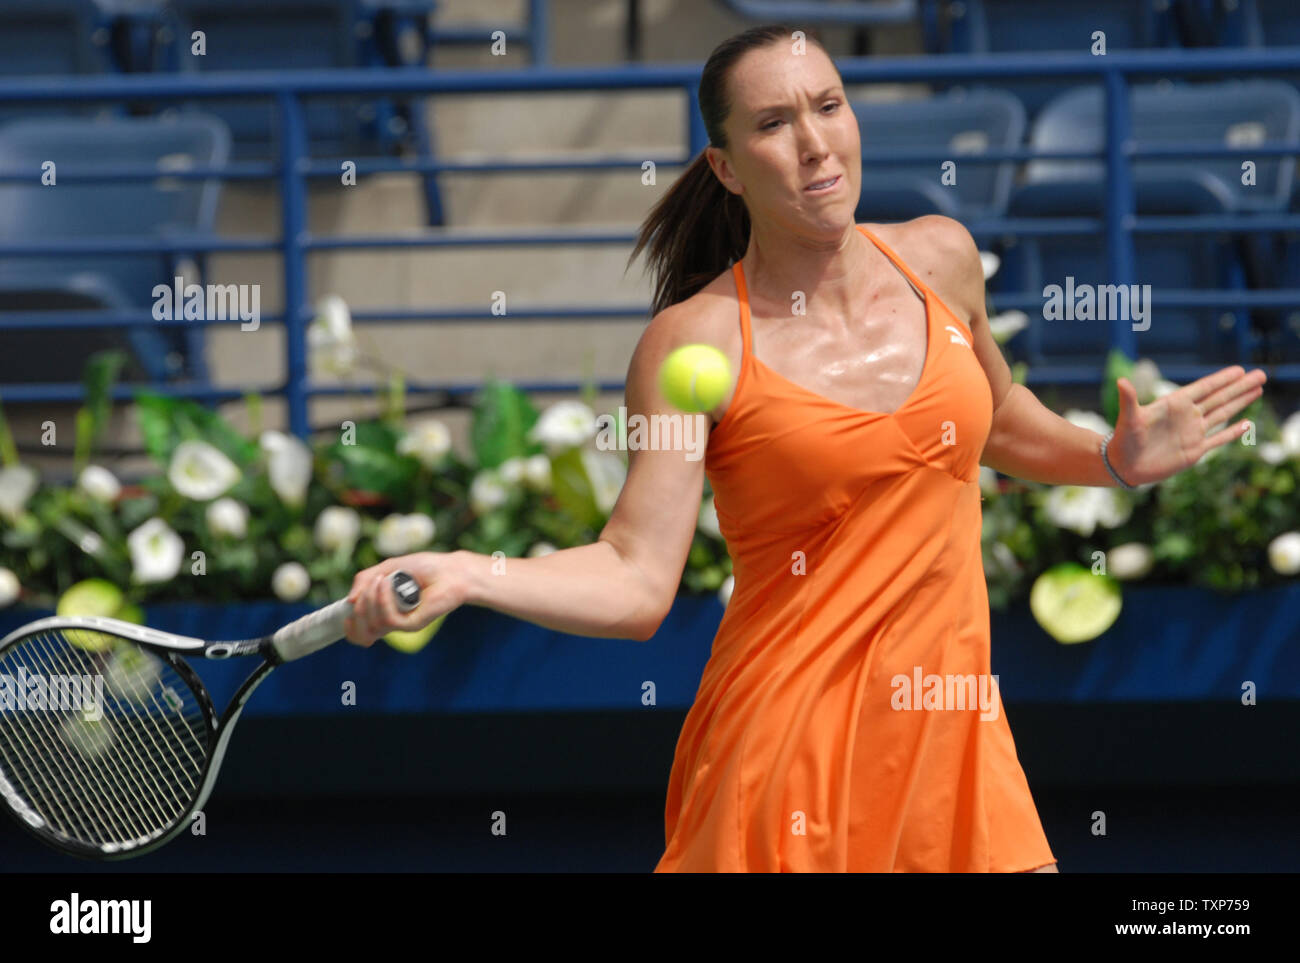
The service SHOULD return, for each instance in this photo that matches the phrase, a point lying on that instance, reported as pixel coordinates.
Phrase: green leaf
(1174, 547)
(8, 452)
(395, 400)
(165, 422)
(372, 463)
(1118, 365)
(85, 440)
(572, 488)
(503, 416)
(102, 370)
(253, 404)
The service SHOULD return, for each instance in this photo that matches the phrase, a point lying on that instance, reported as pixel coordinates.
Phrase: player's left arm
(1027, 440)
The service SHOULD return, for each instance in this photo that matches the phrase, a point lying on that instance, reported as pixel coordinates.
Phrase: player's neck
(787, 273)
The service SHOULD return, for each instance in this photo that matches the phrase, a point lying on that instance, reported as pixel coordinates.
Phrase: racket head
(118, 772)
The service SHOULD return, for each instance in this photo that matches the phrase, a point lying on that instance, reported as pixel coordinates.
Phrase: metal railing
(1118, 225)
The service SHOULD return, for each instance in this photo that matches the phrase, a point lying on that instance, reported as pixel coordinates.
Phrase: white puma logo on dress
(957, 337)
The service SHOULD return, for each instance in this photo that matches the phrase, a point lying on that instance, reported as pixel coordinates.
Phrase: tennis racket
(121, 772)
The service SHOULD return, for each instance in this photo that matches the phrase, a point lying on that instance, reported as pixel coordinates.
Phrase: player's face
(790, 126)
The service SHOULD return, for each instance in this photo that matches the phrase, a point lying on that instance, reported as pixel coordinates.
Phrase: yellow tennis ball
(695, 377)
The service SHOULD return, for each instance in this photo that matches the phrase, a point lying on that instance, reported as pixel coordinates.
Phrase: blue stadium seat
(1235, 112)
(1239, 23)
(39, 37)
(302, 35)
(963, 123)
(1000, 26)
(993, 26)
(1269, 23)
(314, 34)
(256, 35)
(1176, 335)
(184, 208)
(47, 37)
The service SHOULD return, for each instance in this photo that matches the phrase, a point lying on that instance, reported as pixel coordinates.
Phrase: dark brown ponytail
(699, 227)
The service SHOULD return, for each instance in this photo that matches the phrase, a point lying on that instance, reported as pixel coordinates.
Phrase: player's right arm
(620, 586)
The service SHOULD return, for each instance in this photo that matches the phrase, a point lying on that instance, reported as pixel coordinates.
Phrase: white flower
(290, 582)
(1145, 378)
(1005, 557)
(1290, 432)
(156, 551)
(9, 587)
(1284, 553)
(1082, 508)
(708, 518)
(487, 491)
(288, 464)
(338, 527)
(17, 483)
(990, 262)
(330, 339)
(99, 483)
(1131, 560)
(1088, 419)
(724, 591)
(1115, 508)
(1273, 452)
(537, 472)
(541, 548)
(564, 425)
(1007, 325)
(228, 517)
(200, 471)
(512, 471)
(402, 534)
(429, 441)
(607, 473)
(988, 480)
(1004, 560)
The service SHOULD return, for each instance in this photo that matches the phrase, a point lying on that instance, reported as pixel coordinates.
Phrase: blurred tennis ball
(1074, 605)
(412, 642)
(132, 673)
(695, 377)
(90, 738)
(96, 596)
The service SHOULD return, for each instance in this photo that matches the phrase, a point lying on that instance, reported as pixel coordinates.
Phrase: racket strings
(114, 758)
(66, 766)
(114, 785)
(117, 776)
(35, 739)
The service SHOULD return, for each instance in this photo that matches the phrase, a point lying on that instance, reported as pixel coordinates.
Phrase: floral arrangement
(266, 513)
(231, 516)
(1228, 523)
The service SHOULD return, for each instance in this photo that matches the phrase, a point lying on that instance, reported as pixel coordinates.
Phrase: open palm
(1159, 439)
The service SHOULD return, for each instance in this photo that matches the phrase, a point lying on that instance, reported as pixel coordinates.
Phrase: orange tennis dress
(855, 542)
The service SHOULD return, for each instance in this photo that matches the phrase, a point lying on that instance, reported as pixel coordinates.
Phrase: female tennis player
(844, 464)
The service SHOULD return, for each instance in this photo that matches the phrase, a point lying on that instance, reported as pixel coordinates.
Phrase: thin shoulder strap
(897, 261)
(742, 295)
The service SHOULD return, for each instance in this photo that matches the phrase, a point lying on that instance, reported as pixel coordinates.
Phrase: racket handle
(323, 627)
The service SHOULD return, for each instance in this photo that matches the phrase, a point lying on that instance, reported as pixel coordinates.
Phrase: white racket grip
(316, 630)
(312, 632)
